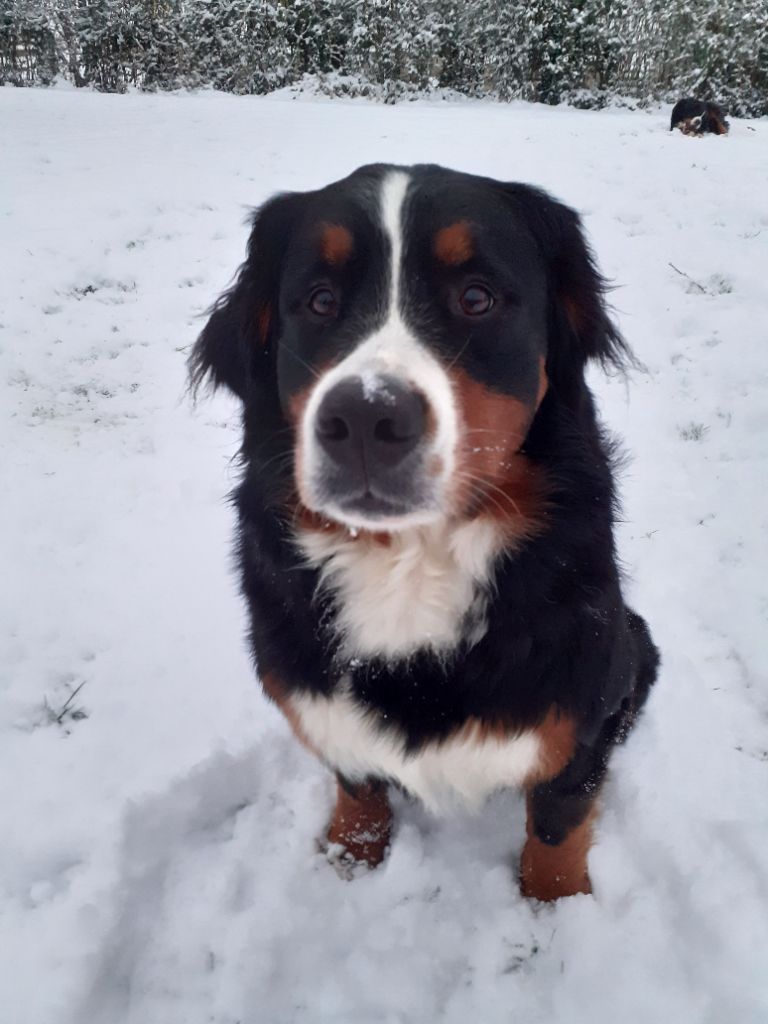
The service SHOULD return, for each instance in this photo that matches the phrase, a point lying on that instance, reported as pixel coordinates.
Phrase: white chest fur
(425, 587)
(462, 770)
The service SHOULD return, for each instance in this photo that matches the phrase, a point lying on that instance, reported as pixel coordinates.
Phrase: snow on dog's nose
(369, 426)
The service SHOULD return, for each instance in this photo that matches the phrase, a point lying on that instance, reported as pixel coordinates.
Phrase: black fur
(696, 117)
(558, 632)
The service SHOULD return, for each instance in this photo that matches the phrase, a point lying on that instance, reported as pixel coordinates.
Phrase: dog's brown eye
(475, 300)
(322, 301)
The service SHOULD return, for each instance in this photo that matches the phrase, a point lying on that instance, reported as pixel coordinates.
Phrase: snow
(159, 862)
(375, 388)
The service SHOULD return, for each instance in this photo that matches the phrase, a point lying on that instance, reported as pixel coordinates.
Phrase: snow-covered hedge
(584, 51)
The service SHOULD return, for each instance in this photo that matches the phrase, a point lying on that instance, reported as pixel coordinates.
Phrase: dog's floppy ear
(580, 326)
(234, 348)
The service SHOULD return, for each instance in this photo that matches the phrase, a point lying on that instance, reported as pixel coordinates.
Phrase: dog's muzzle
(370, 434)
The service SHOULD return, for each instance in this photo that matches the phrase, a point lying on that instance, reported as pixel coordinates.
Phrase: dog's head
(692, 125)
(402, 327)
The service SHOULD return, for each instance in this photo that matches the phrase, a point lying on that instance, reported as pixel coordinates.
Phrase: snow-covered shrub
(583, 51)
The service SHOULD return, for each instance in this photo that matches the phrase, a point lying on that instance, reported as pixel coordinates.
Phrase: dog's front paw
(360, 829)
(350, 859)
(347, 864)
(365, 846)
(547, 873)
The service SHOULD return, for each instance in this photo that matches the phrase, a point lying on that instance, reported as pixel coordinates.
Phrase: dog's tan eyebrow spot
(336, 243)
(454, 245)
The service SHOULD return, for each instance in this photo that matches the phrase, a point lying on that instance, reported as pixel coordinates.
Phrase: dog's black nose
(370, 425)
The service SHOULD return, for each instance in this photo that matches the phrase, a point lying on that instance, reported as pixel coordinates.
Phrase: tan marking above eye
(336, 243)
(454, 245)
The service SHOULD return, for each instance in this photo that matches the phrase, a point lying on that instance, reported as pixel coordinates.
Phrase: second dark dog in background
(695, 117)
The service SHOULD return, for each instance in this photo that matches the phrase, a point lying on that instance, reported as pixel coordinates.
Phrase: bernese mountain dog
(427, 502)
(694, 117)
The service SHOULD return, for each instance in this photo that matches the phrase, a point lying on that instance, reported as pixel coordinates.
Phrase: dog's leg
(362, 821)
(562, 809)
(561, 812)
(554, 861)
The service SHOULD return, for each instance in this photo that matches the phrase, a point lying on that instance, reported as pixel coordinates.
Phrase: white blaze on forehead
(392, 196)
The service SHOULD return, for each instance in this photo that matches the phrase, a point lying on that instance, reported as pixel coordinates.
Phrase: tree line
(585, 52)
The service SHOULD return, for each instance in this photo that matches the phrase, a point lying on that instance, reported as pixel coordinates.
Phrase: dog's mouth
(371, 511)
(366, 493)
(373, 506)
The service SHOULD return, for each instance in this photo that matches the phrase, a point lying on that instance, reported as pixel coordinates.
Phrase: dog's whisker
(298, 359)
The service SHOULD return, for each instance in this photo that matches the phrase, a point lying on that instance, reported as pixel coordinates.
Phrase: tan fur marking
(496, 424)
(454, 245)
(557, 739)
(574, 313)
(493, 478)
(556, 735)
(720, 126)
(276, 692)
(362, 824)
(263, 321)
(549, 872)
(543, 381)
(336, 243)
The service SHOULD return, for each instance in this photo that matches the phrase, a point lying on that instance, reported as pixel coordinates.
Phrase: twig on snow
(688, 277)
(60, 715)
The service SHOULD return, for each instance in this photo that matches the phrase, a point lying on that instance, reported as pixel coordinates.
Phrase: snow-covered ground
(158, 863)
